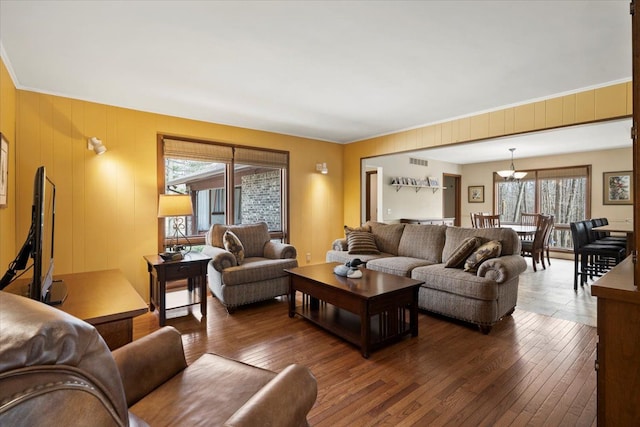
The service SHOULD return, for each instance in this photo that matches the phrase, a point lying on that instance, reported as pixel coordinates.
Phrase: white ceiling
(338, 71)
(592, 137)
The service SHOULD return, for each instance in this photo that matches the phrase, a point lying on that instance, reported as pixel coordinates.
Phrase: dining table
(521, 230)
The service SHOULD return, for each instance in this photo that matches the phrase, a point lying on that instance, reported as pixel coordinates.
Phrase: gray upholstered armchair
(251, 268)
(57, 370)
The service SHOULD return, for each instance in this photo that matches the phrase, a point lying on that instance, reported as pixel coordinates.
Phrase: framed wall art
(476, 194)
(617, 188)
(4, 171)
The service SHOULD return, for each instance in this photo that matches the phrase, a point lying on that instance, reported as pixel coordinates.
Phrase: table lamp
(175, 207)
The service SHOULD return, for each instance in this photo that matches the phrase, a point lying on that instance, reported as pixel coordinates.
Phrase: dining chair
(548, 237)
(488, 221)
(535, 247)
(528, 220)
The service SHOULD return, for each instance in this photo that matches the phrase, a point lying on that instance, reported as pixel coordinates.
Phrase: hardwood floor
(532, 369)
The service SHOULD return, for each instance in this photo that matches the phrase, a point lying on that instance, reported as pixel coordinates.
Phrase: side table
(193, 268)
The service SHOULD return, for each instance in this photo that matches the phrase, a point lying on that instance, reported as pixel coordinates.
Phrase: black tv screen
(39, 245)
(44, 195)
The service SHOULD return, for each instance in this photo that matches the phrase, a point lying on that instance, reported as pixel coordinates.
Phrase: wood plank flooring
(532, 369)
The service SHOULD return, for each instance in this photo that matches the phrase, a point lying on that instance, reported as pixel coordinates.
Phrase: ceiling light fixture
(96, 145)
(511, 174)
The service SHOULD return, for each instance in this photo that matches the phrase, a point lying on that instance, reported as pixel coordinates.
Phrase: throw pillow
(487, 251)
(348, 229)
(362, 242)
(233, 245)
(462, 252)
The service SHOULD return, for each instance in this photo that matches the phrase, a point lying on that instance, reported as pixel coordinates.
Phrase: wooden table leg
(162, 301)
(203, 295)
(413, 319)
(151, 296)
(365, 330)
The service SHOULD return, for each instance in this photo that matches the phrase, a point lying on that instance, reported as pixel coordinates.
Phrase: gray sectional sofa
(421, 252)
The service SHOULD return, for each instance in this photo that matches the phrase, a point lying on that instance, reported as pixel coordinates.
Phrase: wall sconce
(176, 207)
(96, 145)
(322, 168)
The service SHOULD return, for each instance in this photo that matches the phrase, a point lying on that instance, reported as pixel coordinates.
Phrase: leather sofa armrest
(277, 250)
(502, 269)
(340, 245)
(283, 401)
(149, 362)
(220, 258)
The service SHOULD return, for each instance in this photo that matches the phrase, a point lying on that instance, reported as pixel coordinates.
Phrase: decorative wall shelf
(417, 187)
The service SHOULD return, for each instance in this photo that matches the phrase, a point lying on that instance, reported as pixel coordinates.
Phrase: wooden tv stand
(104, 299)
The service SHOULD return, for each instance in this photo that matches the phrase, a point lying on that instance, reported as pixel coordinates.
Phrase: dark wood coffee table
(371, 312)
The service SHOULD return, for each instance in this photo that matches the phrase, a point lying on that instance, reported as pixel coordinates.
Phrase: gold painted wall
(106, 209)
(8, 128)
(592, 105)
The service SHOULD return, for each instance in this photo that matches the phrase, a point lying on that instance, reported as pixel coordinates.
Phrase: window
(228, 185)
(562, 192)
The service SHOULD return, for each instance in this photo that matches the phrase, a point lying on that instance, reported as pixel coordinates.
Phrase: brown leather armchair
(56, 370)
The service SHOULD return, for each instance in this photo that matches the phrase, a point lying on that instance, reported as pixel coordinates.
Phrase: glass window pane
(205, 180)
(258, 195)
(515, 197)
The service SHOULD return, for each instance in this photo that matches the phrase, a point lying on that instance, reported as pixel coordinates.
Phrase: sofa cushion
(387, 236)
(507, 237)
(344, 256)
(348, 229)
(362, 242)
(397, 265)
(487, 251)
(462, 252)
(456, 281)
(257, 269)
(422, 241)
(233, 245)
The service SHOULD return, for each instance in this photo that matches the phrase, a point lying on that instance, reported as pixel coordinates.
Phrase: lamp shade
(174, 205)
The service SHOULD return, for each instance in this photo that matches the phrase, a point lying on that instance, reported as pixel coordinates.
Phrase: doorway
(451, 197)
(371, 210)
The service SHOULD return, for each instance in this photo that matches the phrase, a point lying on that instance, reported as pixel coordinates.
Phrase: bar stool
(594, 258)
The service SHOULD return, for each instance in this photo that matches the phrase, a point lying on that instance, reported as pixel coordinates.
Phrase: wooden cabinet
(435, 221)
(618, 355)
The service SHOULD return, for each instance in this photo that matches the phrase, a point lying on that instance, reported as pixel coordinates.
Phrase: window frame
(559, 227)
(281, 235)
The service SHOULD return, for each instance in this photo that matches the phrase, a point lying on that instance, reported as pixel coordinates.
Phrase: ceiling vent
(419, 162)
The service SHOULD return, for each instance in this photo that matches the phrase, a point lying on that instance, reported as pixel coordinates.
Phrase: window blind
(248, 156)
(187, 150)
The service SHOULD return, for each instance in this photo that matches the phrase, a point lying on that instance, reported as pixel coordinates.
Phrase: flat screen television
(39, 246)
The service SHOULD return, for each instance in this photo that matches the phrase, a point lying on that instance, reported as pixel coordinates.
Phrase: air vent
(419, 162)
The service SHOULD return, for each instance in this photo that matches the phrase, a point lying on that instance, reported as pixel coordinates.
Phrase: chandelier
(511, 174)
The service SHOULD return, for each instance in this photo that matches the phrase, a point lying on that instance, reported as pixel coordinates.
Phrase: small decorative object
(476, 194)
(4, 171)
(341, 270)
(350, 269)
(433, 181)
(354, 274)
(617, 188)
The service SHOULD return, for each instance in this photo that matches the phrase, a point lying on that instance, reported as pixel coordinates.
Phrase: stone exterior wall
(261, 196)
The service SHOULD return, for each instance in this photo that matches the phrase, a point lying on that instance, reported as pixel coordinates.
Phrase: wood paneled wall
(603, 103)
(8, 129)
(106, 213)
